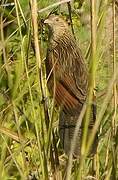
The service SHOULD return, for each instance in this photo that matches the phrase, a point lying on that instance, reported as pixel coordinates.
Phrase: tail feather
(67, 124)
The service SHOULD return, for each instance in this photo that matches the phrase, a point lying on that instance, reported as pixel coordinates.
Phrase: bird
(67, 80)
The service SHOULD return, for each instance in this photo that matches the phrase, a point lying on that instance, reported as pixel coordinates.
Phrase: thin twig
(53, 5)
(70, 17)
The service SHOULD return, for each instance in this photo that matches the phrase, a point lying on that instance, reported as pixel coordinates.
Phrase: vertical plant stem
(24, 167)
(13, 93)
(4, 50)
(114, 71)
(92, 73)
(104, 106)
(114, 154)
(34, 10)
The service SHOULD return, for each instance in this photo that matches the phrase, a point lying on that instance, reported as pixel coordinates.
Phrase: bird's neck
(62, 37)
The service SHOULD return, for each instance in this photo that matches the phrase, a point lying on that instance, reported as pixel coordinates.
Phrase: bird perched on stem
(67, 80)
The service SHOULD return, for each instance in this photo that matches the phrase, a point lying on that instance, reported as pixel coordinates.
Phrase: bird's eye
(57, 19)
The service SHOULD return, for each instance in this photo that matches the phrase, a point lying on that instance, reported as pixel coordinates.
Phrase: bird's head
(56, 24)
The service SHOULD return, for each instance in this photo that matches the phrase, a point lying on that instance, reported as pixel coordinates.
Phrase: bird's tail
(67, 124)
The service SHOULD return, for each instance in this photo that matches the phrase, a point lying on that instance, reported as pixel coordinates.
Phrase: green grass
(29, 138)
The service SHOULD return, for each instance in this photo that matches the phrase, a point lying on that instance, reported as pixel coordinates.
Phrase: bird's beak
(47, 21)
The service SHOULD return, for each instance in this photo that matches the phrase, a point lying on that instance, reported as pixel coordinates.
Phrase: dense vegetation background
(28, 150)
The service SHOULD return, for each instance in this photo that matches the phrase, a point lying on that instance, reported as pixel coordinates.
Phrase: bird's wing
(70, 72)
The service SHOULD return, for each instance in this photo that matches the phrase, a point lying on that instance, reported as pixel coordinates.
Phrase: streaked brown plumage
(67, 73)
